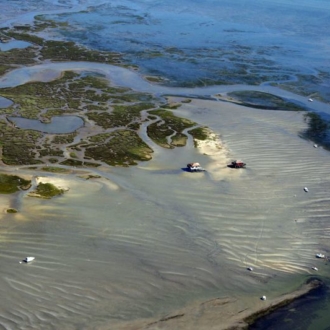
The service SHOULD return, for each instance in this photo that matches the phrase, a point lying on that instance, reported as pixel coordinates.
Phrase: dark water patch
(192, 96)
(322, 141)
(14, 44)
(301, 314)
(5, 103)
(58, 125)
(318, 129)
(166, 172)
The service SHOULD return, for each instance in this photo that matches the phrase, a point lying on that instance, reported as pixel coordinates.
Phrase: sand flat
(168, 242)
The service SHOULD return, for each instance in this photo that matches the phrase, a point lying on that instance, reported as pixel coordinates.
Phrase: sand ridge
(219, 157)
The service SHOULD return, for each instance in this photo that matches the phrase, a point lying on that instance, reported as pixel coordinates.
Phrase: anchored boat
(195, 167)
(320, 255)
(237, 164)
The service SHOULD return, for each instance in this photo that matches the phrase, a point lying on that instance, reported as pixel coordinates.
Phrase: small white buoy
(315, 145)
(20, 262)
(306, 189)
(314, 268)
(263, 298)
(250, 269)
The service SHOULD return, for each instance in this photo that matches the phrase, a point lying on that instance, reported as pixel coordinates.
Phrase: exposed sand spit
(221, 313)
(218, 155)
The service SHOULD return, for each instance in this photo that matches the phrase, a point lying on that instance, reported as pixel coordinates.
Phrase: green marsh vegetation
(154, 79)
(122, 147)
(114, 113)
(10, 184)
(167, 132)
(79, 163)
(114, 141)
(64, 138)
(11, 58)
(88, 95)
(11, 210)
(46, 191)
(308, 85)
(261, 100)
(52, 169)
(31, 99)
(57, 50)
(200, 133)
(120, 116)
(18, 146)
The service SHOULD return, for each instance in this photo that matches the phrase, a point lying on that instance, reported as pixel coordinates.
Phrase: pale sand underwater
(143, 243)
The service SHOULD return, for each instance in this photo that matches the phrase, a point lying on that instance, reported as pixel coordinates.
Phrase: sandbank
(223, 313)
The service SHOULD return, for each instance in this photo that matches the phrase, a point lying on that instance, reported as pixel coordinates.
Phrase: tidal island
(46, 190)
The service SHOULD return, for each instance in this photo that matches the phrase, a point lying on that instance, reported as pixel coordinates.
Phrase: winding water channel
(119, 76)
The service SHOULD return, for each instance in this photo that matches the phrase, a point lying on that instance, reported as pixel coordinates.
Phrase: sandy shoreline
(220, 313)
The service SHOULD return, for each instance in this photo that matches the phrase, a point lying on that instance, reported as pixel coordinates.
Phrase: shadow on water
(319, 140)
(308, 312)
(165, 172)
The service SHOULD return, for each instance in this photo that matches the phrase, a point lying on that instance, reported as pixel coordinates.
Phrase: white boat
(306, 189)
(250, 269)
(320, 255)
(263, 298)
(195, 167)
(310, 100)
(28, 259)
(315, 268)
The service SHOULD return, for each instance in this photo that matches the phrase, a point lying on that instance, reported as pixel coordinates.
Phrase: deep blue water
(309, 312)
